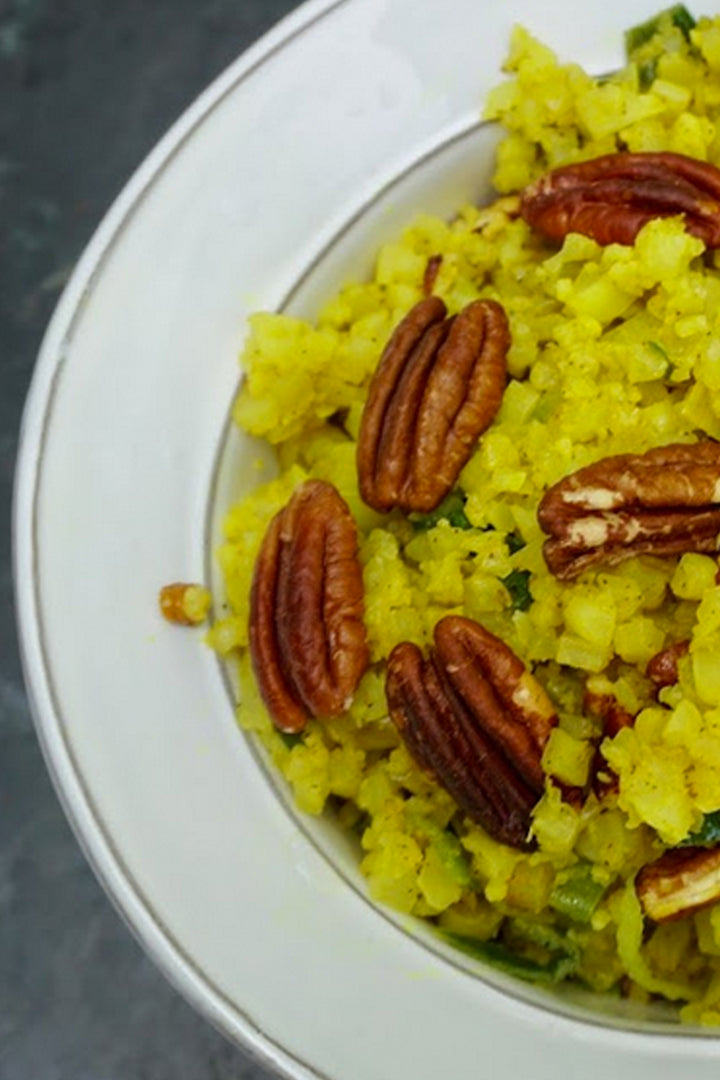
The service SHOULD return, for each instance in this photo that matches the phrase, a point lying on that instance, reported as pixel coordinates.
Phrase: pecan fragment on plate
(612, 197)
(307, 636)
(437, 387)
(184, 603)
(473, 716)
(663, 502)
(679, 883)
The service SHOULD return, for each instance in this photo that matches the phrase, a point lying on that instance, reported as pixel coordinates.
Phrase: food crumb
(185, 604)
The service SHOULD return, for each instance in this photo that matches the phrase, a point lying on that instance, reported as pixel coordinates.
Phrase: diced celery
(706, 674)
(577, 893)
(695, 574)
(543, 957)
(480, 922)
(519, 400)
(638, 639)
(601, 299)
(592, 616)
(577, 653)
(697, 407)
(678, 15)
(566, 758)
(446, 844)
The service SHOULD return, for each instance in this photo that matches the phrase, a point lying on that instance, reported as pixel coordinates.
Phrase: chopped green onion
(682, 18)
(639, 35)
(452, 856)
(577, 894)
(514, 542)
(446, 844)
(657, 347)
(517, 584)
(290, 738)
(647, 71)
(708, 835)
(451, 509)
(560, 960)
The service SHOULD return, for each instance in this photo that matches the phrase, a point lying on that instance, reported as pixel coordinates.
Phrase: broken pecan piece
(612, 197)
(615, 717)
(473, 716)
(437, 387)
(432, 269)
(184, 603)
(663, 502)
(680, 882)
(307, 636)
(662, 669)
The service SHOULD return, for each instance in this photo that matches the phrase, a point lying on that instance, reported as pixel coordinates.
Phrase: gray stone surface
(86, 89)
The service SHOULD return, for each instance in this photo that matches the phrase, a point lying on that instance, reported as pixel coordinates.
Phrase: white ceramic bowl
(283, 177)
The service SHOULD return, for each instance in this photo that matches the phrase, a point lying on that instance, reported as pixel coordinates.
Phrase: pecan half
(663, 502)
(612, 197)
(437, 387)
(662, 669)
(474, 717)
(307, 636)
(678, 883)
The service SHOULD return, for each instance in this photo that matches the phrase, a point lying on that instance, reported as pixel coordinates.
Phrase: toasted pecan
(474, 717)
(307, 636)
(680, 882)
(184, 603)
(663, 502)
(612, 197)
(437, 387)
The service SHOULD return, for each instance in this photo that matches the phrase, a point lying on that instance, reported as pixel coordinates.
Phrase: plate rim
(156, 940)
(107, 864)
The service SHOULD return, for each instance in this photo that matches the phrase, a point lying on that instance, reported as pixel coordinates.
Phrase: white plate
(284, 174)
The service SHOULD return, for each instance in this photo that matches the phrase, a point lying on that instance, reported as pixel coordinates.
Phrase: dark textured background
(86, 88)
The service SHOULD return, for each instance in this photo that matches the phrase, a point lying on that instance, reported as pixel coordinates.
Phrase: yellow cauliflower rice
(615, 349)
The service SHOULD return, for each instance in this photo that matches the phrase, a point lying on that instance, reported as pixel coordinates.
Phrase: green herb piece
(555, 958)
(446, 844)
(682, 18)
(361, 824)
(662, 352)
(647, 71)
(290, 738)
(657, 347)
(517, 584)
(514, 542)
(637, 36)
(549, 401)
(451, 509)
(578, 894)
(452, 856)
(708, 835)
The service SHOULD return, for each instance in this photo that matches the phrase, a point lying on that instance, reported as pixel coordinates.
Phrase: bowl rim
(126, 897)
